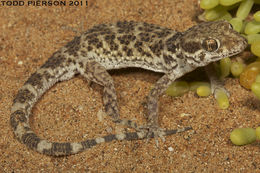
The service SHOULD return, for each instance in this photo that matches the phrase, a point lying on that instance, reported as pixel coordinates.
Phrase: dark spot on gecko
(129, 52)
(168, 59)
(73, 42)
(113, 46)
(170, 43)
(140, 50)
(90, 48)
(119, 54)
(81, 64)
(131, 136)
(140, 28)
(35, 80)
(88, 143)
(109, 138)
(111, 43)
(145, 37)
(110, 37)
(122, 40)
(138, 44)
(125, 27)
(54, 61)
(126, 39)
(129, 123)
(163, 33)
(109, 108)
(24, 95)
(71, 61)
(63, 73)
(125, 48)
(171, 47)
(13, 123)
(73, 46)
(202, 56)
(191, 47)
(148, 54)
(58, 148)
(99, 45)
(132, 37)
(106, 52)
(47, 75)
(117, 121)
(157, 48)
(17, 116)
(148, 27)
(30, 140)
(61, 148)
(179, 55)
(93, 41)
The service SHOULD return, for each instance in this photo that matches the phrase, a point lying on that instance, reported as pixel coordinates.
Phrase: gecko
(120, 45)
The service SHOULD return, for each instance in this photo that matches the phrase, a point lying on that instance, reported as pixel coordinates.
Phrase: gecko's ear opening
(210, 44)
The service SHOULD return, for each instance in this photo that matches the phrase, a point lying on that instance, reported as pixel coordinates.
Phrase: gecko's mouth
(238, 50)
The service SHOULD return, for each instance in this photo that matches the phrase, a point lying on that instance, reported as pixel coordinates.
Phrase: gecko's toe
(215, 86)
(153, 132)
(215, 90)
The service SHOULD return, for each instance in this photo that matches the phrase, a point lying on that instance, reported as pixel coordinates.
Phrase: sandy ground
(68, 111)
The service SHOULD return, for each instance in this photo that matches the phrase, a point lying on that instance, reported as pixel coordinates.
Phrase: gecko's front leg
(152, 126)
(215, 82)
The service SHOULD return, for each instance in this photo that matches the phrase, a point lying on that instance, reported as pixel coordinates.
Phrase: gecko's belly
(118, 64)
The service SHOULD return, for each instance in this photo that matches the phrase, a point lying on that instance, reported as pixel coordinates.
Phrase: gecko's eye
(210, 44)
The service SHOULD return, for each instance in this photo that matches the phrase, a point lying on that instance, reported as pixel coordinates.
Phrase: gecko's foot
(216, 89)
(216, 85)
(153, 132)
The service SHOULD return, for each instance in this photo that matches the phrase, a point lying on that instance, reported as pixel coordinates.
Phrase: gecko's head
(209, 42)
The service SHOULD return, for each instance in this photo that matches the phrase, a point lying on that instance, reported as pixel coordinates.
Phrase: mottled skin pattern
(121, 45)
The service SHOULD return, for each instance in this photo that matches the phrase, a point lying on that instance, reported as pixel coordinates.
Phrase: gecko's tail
(20, 123)
(32, 141)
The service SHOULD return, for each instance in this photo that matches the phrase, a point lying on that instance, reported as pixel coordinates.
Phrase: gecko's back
(128, 44)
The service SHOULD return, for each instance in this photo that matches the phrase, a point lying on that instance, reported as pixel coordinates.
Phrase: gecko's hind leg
(95, 72)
